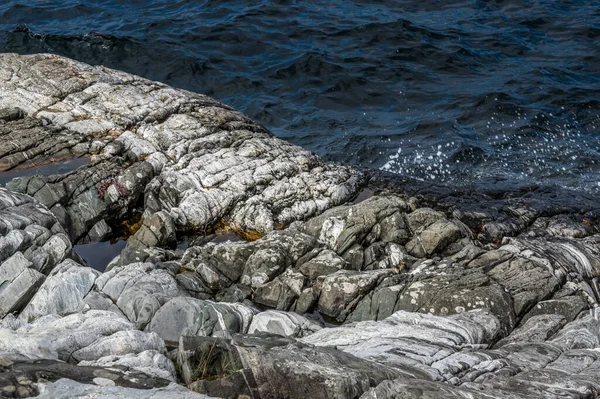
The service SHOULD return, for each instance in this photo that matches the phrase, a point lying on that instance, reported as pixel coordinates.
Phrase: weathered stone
(31, 244)
(150, 362)
(139, 290)
(490, 289)
(282, 323)
(342, 227)
(282, 292)
(119, 344)
(323, 263)
(53, 337)
(235, 293)
(66, 388)
(264, 367)
(536, 329)
(192, 317)
(568, 307)
(192, 157)
(157, 230)
(62, 293)
(16, 293)
(344, 288)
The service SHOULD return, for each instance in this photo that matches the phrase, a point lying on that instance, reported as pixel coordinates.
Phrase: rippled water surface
(443, 91)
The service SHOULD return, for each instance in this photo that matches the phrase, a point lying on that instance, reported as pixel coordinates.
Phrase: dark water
(99, 254)
(451, 91)
(31, 169)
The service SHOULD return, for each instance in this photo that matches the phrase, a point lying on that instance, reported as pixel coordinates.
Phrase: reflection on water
(227, 237)
(363, 195)
(99, 254)
(30, 169)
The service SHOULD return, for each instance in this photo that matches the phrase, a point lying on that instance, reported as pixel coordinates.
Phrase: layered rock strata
(339, 284)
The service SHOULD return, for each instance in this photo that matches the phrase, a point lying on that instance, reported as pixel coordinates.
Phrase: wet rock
(435, 238)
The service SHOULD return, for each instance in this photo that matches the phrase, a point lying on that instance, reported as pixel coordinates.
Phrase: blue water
(441, 91)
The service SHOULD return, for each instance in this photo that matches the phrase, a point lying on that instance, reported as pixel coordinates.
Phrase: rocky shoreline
(301, 279)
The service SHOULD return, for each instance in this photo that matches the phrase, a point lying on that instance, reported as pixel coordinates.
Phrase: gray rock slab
(62, 292)
(282, 323)
(195, 317)
(66, 388)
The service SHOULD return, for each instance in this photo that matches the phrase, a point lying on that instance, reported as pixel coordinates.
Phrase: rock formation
(299, 278)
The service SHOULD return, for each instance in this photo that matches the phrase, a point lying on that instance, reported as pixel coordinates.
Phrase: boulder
(286, 324)
(195, 317)
(62, 293)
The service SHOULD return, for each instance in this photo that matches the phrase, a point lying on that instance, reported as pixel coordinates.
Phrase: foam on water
(538, 149)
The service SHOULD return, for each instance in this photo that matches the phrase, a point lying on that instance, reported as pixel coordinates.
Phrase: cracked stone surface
(284, 287)
(183, 153)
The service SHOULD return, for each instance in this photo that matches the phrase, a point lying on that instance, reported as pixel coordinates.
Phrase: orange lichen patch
(114, 133)
(130, 226)
(222, 227)
(399, 267)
